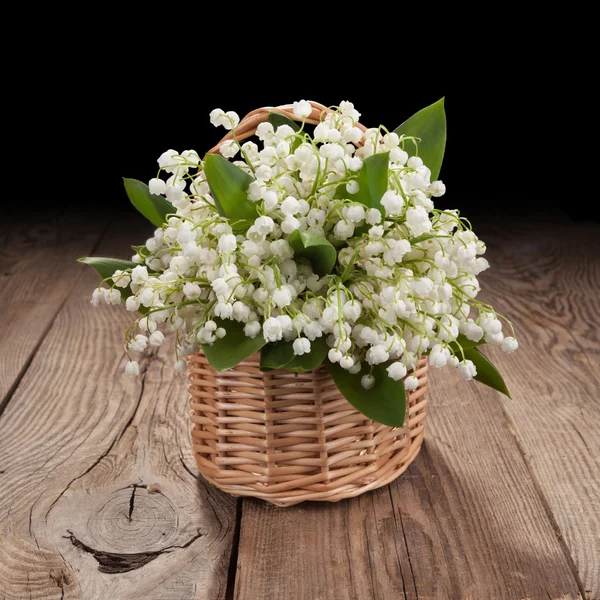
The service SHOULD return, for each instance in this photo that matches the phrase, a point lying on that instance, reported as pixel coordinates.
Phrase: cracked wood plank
(99, 495)
(37, 272)
(115, 562)
(547, 276)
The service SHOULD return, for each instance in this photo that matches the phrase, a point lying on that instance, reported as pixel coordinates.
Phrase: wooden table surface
(100, 498)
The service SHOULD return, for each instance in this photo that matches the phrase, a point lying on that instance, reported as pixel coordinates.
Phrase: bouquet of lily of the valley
(311, 245)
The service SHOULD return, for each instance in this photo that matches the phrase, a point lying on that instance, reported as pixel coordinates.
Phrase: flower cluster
(404, 283)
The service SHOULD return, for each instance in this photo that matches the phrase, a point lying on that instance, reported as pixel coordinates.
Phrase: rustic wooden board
(464, 521)
(440, 533)
(547, 277)
(37, 272)
(501, 496)
(99, 496)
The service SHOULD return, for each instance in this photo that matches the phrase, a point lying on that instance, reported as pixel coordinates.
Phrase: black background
(507, 152)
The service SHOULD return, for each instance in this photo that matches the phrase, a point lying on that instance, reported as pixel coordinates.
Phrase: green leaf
(358, 232)
(429, 125)
(321, 254)
(310, 361)
(229, 187)
(372, 180)
(486, 371)
(106, 267)
(154, 208)
(425, 237)
(465, 342)
(240, 227)
(276, 119)
(276, 356)
(385, 402)
(232, 349)
(281, 356)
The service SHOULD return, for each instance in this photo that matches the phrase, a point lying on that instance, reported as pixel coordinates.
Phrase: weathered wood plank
(467, 518)
(37, 272)
(98, 491)
(464, 521)
(547, 277)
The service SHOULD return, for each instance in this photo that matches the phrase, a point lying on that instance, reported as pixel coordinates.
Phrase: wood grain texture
(464, 521)
(99, 496)
(502, 502)
(547, 278)
(37, 272)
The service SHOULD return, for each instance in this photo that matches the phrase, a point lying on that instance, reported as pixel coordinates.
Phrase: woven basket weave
(289, 437)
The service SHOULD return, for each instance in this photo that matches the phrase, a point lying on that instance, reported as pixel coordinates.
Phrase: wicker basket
(289, 437)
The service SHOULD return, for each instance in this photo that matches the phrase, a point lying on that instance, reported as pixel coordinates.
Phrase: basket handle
(248, 125)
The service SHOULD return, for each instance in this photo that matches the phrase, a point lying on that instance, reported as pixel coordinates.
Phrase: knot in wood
(131, 520)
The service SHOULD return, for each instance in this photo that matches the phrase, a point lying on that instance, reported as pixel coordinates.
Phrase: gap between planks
(512, 427)
(235, 546)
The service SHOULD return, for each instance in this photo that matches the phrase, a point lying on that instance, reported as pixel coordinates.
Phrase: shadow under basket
(289, 437)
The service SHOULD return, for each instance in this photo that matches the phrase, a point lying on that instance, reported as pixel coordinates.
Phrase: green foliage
(276, 119)
(424, 238)
(229, 186)
(106, 267)
(429, 125)
(385, 402)
(280, 355)
(232, 349)
(372, 180)
(154, 208)
(486, 371)
(321, 254)
(465, 342)
(276, 355)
